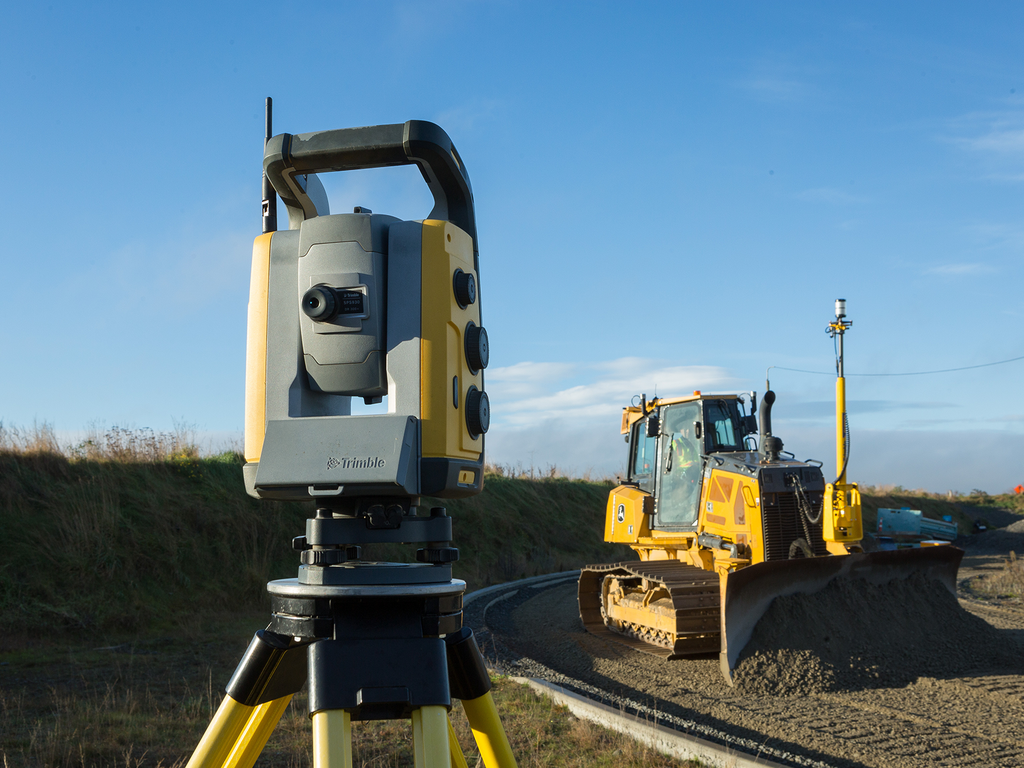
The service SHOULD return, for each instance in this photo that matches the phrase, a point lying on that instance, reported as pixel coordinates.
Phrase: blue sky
(669, 196)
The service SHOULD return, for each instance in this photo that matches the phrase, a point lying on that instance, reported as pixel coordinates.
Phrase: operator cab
(670, 448)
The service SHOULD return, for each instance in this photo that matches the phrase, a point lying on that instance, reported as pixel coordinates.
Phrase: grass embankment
(131, 581)
(113, 546)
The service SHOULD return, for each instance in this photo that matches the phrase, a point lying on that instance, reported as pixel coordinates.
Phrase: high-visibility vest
(685, 455)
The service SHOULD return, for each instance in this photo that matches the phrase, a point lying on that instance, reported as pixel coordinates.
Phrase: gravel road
(895, 680)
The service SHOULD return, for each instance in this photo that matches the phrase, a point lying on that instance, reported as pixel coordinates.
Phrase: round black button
(465, 288)
(478, 412)
(477, 352)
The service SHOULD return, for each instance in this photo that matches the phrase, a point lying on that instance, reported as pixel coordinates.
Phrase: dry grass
(1005, 583)
(520, 471)
(148, 706)
(118, 444)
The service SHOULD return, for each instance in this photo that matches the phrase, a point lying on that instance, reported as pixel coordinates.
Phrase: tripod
(378, 641)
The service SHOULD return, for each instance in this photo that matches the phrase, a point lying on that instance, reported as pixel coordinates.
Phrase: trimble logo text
(370, 462)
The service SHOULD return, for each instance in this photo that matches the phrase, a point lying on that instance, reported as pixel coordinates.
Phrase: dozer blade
(748, 592)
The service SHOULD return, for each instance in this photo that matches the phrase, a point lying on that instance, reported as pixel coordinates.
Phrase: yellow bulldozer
(724, 521)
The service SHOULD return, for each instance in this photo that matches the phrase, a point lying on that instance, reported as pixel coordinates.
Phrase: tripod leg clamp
(273, 666)
(467, 673)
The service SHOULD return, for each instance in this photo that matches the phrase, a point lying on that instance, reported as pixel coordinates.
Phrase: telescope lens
(319, 303)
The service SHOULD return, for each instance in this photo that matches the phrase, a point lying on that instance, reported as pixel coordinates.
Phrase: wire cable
(911, 373)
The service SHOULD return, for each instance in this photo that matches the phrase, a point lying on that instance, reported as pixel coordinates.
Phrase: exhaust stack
(770, 446)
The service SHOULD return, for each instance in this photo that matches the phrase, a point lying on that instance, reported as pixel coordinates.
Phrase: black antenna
(269, 195)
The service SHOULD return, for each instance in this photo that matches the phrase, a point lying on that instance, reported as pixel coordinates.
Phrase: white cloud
(996, 139)
(529, 394)
(527, 379)
(771, 87)
(998, 235)
(567, 416)
(1000, 140)
(959, 461)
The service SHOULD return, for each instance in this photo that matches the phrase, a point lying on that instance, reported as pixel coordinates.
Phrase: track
(688, 606)
(959, 718)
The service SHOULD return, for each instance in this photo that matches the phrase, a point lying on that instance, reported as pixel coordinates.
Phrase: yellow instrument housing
(841, 518)
(256, 349)
(445, 374)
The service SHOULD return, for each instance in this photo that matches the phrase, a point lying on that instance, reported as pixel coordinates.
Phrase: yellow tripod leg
(490, 736)
(430, 738)
(221, 734)
(257, 730)
(458, 759)
(332, 739)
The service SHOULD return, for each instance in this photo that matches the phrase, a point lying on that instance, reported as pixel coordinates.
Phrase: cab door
(643, 460)
(679, 467)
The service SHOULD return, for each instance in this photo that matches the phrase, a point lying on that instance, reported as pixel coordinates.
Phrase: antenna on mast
(269, 195)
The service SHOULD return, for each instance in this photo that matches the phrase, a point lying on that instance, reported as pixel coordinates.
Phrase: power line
(912, 373)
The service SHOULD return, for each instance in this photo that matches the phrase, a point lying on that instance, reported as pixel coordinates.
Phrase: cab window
(681, 467)
(721, 419)
(644, 459)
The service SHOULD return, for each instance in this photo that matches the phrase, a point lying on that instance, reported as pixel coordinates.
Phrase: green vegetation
(132, 576)
(133, 533)
(1010, 502)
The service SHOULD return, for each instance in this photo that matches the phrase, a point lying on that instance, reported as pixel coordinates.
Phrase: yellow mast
(842, 527)
(836, 329)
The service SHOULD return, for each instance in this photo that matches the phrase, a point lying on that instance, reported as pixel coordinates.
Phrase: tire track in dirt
(968, 718)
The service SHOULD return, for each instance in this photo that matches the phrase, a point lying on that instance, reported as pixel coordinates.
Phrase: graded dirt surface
(896, 677)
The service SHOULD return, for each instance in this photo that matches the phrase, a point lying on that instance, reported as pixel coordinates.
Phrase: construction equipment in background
(910, 526)
(724, 523)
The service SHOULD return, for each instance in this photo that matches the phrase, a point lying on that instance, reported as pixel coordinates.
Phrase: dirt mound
(853, 635)
(995, 540)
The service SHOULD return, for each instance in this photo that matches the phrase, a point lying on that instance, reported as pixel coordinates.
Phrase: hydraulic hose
(846, 449)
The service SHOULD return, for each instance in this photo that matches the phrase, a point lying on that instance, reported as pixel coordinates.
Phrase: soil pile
(996, 541)
(855, 635)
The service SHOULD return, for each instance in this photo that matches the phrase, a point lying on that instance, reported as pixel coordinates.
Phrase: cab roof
(631, 414)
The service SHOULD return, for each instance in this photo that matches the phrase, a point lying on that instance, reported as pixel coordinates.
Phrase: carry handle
(378, 146)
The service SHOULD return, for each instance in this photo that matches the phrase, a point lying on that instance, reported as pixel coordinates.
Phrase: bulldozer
(724, 520)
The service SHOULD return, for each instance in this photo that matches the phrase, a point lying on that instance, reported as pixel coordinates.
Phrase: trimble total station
(362, 305)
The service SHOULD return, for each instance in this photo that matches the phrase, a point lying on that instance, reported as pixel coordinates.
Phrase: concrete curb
(666, 740)
(532, 581)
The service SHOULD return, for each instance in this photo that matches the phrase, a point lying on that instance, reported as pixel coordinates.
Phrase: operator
(683, 452)
(682, 477)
